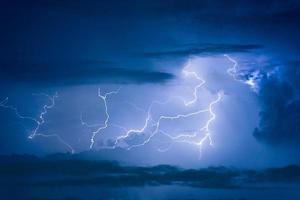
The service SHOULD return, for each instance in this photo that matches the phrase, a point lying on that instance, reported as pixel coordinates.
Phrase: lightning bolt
(155, 125)
(151, 126)
(107, 116)
(251, 81)
(38, 121)
(150, 123)
(141, 130)
(187, 138)
(186, 72)
(232, 70)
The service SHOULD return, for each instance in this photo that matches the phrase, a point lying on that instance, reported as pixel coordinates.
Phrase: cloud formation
(79, 73)
(280, 106)
(203, 49)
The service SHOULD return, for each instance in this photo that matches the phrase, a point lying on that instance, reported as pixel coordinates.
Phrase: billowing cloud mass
(280, 106)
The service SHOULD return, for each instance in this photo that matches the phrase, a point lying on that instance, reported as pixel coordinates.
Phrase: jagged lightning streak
(105, 125)
(205, 128)
(163, 117)
(182, 137)
(149, 122)
(45, 109)
(186, 138)
(232, 70)
(189, 138)
(186, 72)
(142, 129)
(40, 120)
(155, 125)
(250, 81)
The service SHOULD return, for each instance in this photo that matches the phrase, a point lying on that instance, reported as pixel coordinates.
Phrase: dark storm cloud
(280, 106)
(80, 73)
(203, 49)
(158, 8)
(104, 173)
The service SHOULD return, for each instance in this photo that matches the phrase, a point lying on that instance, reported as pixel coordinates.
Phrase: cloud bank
(279, 97)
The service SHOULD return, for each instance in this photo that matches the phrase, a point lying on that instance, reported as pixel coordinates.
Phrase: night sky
(55, 56)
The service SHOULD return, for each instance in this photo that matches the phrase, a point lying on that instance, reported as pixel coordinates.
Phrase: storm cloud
(203, 49)
(280, 106)
(78, 74)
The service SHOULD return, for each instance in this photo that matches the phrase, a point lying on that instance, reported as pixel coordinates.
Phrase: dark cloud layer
(75, 74)
(280, 106)
(167, 7)
(112, 174)
(204, 49)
